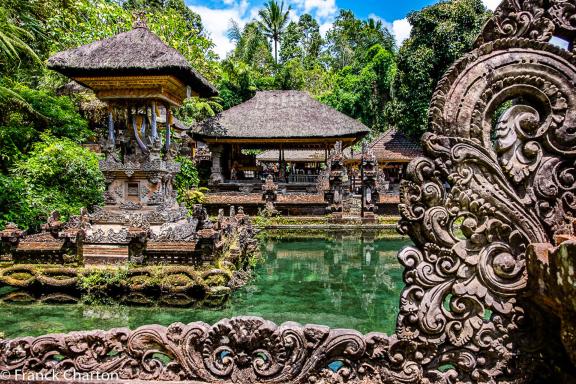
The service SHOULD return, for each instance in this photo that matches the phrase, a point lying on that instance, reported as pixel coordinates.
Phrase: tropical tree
(440, 35)
(196, 109)
(14, 48)
(252, 47)
(20, 128)
(363, 90)
(351, 38)
(273, 21)
(303, 41)
(13, 40)
(291, 48)
(311, 40)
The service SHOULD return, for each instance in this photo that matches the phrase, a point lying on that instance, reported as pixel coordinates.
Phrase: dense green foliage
(356, 68)
(440, 35)
(57, 174)
(188, 177)
(21, 127)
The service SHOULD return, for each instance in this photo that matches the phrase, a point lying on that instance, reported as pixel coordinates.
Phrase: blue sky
(216, 14)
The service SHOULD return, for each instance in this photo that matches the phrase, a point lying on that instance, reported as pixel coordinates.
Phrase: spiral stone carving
(241, 350)
(499, 174)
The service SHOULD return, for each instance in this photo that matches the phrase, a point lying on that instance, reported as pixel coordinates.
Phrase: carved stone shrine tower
(140, 78)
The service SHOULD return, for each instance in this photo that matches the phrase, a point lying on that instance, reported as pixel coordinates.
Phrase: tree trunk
(276, 51)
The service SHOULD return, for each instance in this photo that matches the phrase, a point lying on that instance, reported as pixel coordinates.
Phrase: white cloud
(293, 16)
(399, 28)
(324, 28)
(322, 9)
(217, 22)
(491, 4)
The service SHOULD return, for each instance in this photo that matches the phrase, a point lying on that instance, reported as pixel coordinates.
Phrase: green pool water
(343, 281)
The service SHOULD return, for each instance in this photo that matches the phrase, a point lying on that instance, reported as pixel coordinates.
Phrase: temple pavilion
(281, 122)
(393, 150)
(141, 80)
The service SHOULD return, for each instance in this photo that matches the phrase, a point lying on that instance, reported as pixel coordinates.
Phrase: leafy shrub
(13, 208)
(186, 183)
(58, 175)
(193, 197)
(30, 113)
(188, 177)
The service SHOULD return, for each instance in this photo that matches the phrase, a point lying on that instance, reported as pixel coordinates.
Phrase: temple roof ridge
(135, 52)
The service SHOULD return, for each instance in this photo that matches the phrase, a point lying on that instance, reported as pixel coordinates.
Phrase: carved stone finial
(11, 226)
(139, 20)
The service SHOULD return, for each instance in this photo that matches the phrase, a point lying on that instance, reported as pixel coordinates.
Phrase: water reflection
(345, 280)
(341, 280)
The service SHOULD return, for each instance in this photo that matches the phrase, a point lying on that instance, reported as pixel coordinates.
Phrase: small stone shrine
(370, 180)
(337, 177)
(140, 78)
(270, 196)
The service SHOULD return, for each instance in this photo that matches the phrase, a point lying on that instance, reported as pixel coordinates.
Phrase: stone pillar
(216, 175)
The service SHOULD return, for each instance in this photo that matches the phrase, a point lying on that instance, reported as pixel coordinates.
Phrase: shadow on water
(343, 280)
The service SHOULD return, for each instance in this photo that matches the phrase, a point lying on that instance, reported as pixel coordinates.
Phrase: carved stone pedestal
(369, 218)
(336, 218)
(108, 254)
(216, 171)
(9, 239)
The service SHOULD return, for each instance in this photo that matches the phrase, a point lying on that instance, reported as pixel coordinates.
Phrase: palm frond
(12, 38)
(10, 96)
(234, 32)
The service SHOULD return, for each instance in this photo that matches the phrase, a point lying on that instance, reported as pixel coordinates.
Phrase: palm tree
(252, 46)
(12, 47)
(273, 21)
(12, 39)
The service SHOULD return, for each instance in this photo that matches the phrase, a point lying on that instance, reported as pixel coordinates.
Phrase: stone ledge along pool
(342, 280)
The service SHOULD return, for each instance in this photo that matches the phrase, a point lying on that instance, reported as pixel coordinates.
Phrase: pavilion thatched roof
(281, 115)
(135, 52)
(393, 147)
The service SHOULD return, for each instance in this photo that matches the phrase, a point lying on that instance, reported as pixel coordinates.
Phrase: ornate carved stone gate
(499, 174)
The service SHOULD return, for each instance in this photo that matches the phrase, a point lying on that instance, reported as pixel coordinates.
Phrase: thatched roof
(281, 115)
(393, 146)
(294, 156)
(135, 52)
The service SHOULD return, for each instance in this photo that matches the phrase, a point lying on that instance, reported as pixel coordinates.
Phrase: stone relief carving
(108, 237)
(337, 177)
(370, 180)
(109, 198)
(131, 206)
(144, 191)
(244, 350)
(177, 232)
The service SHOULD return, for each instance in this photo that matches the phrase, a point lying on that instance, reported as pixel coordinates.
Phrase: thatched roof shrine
(137, 53)
(392, 147)
(288, 117)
